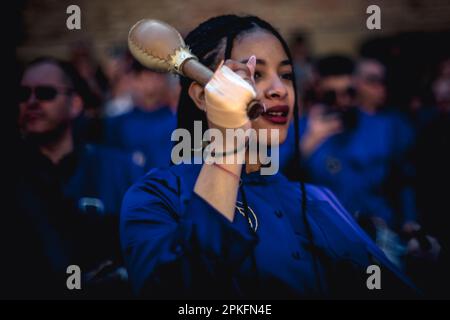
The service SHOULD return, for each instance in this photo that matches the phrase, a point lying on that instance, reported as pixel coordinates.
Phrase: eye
(287, 76)
(257, 75)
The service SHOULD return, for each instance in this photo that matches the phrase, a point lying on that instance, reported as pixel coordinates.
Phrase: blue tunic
(67, 213)
(367, 167)
(101, 177)
(146, 132)
(176, 245)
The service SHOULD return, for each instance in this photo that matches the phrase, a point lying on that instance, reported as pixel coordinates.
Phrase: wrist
(231, 170)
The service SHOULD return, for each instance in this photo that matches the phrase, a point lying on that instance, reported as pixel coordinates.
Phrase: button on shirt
(176, 245)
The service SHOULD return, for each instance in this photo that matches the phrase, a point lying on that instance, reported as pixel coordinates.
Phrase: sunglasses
(42, 93)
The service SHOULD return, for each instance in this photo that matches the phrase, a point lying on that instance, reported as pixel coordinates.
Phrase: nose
(276, 89)
(32, 102)
(32, 99)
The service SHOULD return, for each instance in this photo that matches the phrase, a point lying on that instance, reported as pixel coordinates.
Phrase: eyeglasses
(42, 93)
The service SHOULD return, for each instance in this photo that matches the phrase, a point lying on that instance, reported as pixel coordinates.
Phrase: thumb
(251, 64)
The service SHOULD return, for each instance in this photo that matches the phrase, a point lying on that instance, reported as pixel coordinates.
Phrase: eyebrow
(263, 62)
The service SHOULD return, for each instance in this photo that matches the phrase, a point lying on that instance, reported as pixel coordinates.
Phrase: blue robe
(146, 132)
(176, 245)
(366, 167)
(100, 178)
(64, 214)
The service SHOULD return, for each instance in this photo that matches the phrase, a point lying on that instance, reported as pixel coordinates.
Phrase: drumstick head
(154, 43)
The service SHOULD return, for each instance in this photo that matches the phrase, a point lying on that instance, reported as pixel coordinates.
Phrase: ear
(76, 106)
(197, 94)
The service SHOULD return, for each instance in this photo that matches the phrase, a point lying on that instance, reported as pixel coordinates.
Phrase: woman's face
(273, 80)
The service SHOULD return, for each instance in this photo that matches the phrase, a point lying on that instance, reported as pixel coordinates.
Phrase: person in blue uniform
(147, 128)
(366, 162)
(365, 165)
(226, 230)
(357, 149)
(67, 194)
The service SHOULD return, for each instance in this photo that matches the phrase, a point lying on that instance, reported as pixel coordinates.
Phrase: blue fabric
(102, 174)
(147, 132)
(54, 229)
(361, 166)
(177, 245)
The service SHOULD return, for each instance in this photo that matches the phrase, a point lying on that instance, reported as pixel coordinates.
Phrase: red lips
(277, 114)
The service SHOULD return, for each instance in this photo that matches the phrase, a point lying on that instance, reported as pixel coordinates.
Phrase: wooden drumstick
(161, 48)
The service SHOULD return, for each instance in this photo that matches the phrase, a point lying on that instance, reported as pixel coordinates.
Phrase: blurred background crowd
(89, 120)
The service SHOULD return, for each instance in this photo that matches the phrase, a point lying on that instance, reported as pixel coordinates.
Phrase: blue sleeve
(178, 246)
(345, 219)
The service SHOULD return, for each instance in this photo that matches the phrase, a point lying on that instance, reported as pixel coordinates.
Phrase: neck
(251, 167)
(56, 149)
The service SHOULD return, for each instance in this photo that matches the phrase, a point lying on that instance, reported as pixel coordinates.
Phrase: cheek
(291, 93)
(373, 91)
(56, 111)
(51, 109)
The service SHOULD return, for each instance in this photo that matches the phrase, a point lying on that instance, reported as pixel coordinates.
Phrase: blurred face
(45, 100)
(340, 88)
(370, 84)
(273, 79)
(150, 89)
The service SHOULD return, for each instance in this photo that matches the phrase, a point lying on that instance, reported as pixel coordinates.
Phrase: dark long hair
(213, 41)
(208, 42)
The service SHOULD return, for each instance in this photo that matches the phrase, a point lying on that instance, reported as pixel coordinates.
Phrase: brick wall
(333, 25)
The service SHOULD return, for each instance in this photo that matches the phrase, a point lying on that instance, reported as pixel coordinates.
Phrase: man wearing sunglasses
(68, 194)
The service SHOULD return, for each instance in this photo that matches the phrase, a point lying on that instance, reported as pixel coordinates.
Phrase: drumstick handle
(197, 71)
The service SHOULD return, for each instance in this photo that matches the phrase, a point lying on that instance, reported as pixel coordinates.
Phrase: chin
(37, 128)
(281, 140)
(266, 139)
(282, 128)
